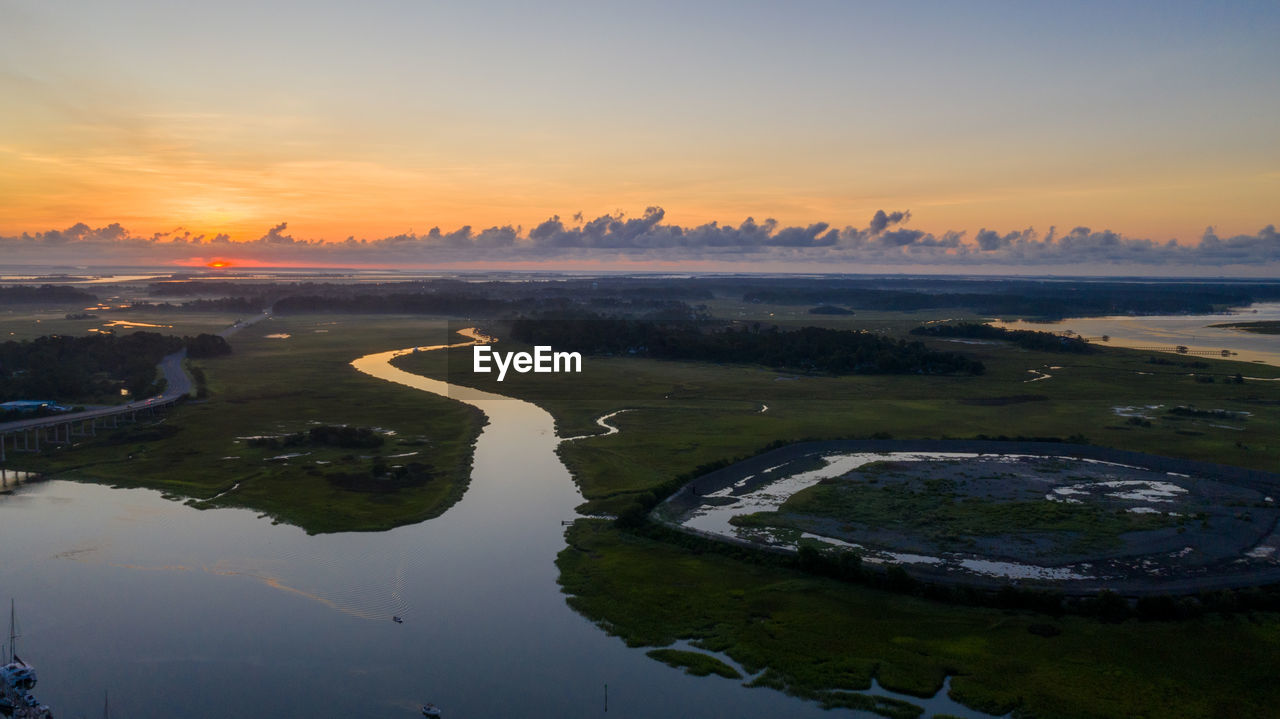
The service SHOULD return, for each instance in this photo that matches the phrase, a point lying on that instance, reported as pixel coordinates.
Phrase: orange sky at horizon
(179, 180)
(331, 200)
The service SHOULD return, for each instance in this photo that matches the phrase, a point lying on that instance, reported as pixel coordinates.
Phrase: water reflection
(1167, 331)
(11, 479)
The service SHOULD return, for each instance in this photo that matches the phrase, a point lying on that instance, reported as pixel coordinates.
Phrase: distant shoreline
(1263, 327)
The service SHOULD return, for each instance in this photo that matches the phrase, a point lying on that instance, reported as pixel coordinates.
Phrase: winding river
(180, 612)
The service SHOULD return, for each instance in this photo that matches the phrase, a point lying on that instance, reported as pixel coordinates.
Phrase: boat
(430, 710)
(17, 678)
(397, 620)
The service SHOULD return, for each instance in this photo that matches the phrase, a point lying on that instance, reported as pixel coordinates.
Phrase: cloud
(1243, 248)
(80, 233)
(817, 235)
(901, 237)
(885, 240)
(881, 221)
(276, 236)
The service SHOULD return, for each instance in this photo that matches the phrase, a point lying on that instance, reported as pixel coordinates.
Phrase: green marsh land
(812, 635)
(687, 414)
(272, 387)
(807, 635)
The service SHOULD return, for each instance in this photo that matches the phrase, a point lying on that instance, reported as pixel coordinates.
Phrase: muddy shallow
(1150, 524)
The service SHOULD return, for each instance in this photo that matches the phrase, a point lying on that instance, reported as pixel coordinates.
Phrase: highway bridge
(27, 435)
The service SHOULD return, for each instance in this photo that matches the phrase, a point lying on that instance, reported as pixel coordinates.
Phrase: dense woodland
(1033, 298)
(638, 288)
(808, 349)
(1045, 299)
(1027, 339)
(206, 345)
(659, 317)
(44, 294)
(83, 369)
(93, 368)
(1030, 298)
(423, 303)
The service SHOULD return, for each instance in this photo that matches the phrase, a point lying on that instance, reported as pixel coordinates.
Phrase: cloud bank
(885, 241)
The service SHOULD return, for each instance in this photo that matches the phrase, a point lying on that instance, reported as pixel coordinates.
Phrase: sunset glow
(1164, 128)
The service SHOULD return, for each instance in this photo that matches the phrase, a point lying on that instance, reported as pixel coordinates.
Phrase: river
(217, 613)
(1192, 331)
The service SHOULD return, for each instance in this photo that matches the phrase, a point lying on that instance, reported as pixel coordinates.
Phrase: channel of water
(182, 612)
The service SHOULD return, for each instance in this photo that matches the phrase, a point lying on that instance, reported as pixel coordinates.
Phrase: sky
(339, 132)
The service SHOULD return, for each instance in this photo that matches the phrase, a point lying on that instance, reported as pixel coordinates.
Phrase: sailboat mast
(13, 632)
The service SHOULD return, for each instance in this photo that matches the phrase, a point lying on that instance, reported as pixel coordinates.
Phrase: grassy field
(24, 323)
(816, 635)
(686, 414)
(275, 386)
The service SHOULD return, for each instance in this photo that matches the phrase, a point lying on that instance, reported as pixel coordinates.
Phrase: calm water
(1193, 331)
(220, 613)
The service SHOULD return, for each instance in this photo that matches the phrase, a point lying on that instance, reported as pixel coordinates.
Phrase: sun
(218, 264)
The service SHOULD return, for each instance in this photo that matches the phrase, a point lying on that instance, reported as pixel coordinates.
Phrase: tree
(207, 345)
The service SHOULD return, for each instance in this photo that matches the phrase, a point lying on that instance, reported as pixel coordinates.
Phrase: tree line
(92, 367)
(33, 294)
(1027, 339)
(807, 349)
(86, 368)
(1023, 298)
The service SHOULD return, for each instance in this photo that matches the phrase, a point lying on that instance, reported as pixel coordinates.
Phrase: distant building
(32, 406)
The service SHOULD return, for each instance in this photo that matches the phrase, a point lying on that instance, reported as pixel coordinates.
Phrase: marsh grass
(276, 387)
(686, 414)
(695, 663)
(815, 635)
(934, 510)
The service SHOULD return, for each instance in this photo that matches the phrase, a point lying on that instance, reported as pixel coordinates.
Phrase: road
(177, 385)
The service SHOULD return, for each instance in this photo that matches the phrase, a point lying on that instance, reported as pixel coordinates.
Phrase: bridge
(26, 435)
